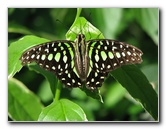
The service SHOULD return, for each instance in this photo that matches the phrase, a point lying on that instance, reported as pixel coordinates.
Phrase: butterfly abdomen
(81, 58)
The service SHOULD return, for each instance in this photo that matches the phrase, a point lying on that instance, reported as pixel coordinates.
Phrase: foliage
(29, 27)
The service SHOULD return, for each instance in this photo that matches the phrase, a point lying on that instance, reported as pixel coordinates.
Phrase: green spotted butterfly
(80, 62)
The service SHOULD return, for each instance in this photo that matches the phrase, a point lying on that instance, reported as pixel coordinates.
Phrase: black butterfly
(82, 62)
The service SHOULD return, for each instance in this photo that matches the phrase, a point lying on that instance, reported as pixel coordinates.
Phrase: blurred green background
(135, 26)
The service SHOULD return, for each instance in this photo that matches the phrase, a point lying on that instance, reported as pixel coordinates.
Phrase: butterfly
(80, 62)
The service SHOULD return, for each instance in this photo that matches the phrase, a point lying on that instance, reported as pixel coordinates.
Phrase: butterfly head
(80, 38)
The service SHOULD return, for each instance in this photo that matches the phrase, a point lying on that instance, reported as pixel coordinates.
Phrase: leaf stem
(78, 13)
(58, 91)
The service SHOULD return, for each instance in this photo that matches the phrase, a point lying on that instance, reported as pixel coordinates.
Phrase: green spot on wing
(103, 55)
(118, 55)
(75, 71)
(91, 63)
(70, 50)
(64, 52)
(97, 51)
(62, 48)
(65, 58)
(97, 58)
(43, 57)
(91, 48)
(50, 56)
(57, 57)
(90, 69)
(110, 55)
(98, 46)
(59, 44)
(72, 64)
(90, 51)
(92, 45)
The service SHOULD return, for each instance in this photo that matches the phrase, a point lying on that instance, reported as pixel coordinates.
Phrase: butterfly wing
(56, 57)
(106, 55)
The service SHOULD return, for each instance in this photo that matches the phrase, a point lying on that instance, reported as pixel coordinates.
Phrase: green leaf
(16, 49)
(16, 28)
(94, 94)
(78, 13)
(62, 110)
(44, 92)
(109, 20)
(23, 105)
(148, 19)
(15, 52)
(82, 26)
(114, 94)
(149, 71)
(135, 82)
(51, 78)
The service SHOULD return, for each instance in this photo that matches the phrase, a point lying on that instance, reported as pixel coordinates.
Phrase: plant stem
(58, 91)
(78, 13)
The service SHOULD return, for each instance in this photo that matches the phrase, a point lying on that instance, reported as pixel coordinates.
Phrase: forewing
(107, 55)
(56, 57)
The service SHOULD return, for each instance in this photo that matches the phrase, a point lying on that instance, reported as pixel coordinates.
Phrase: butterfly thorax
(81, 58)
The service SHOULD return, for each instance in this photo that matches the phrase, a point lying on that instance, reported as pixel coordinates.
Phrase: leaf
(135, 82)
(51, 78)
(16, 49)
(16, 28)
(148, 19)
(62, 110)
(114, 94)
(149, 71)
(15, 52)
(23, 105)
(94, 94)
(110, 26)
(82, 26)
(44, 92)
(109, 20)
